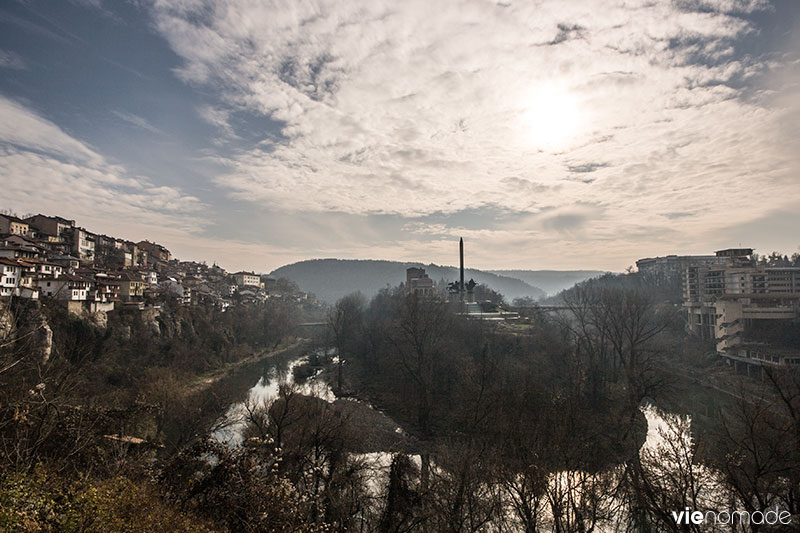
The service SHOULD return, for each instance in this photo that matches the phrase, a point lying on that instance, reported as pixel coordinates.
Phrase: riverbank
(209, 379)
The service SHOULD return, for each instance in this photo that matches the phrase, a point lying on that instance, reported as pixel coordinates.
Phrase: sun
(550, 119)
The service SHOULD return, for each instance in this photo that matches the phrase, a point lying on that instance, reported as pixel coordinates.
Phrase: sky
(548, 134)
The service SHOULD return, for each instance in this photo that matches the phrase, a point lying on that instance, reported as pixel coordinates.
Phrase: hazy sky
(549, 134)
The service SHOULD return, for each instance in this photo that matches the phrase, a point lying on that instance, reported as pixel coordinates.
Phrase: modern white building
(247, 279)
(748, 310)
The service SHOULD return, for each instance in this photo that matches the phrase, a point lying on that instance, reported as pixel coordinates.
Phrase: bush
(45, 501)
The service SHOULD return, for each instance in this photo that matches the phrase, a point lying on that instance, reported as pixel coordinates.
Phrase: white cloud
(44, 169)
(136, 120)
(22, 127)
(414, 107)
(219, 118)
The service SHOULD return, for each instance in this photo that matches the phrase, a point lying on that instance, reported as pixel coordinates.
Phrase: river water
(230, 428)
(668, 445)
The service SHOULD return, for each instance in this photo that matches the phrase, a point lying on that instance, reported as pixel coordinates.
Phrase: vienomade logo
(769, 517)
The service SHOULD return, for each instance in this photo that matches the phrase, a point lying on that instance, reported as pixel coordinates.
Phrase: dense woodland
(529, 426)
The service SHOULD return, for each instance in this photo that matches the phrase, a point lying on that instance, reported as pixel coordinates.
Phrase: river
(668, 445)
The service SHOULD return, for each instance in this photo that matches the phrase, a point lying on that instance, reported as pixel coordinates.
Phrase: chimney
(461, 257)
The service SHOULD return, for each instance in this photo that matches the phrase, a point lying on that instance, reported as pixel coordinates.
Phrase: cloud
(398, 108)
(136, 120)
(585, 168)
(36, 29)
(12, 60)
(44, 169)
(220, 118)
(554, 129)
(676, 215)
(24, 128)
(725, 6)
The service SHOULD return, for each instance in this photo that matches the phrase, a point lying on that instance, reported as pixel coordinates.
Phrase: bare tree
(612, 329)
(758, 449)
(419, 338)
(346, 324)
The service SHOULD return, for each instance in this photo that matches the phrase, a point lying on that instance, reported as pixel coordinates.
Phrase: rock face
(30, 321)
(44, 339)
(150, 318)
(99, 319)
(6, 321)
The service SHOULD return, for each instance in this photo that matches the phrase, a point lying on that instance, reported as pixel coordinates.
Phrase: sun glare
(550, 119)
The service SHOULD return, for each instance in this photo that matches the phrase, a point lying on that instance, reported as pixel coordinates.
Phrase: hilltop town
(50, 257)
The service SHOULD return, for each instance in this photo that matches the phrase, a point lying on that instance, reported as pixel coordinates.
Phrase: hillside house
(131, 286)
(10, 277)
(13, 225)
(247, 279)
(66, 287)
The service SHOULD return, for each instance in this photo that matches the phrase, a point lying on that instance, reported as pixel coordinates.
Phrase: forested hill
(550, 281)
(330, 279)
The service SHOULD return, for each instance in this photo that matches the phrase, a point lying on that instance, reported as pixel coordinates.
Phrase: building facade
(247, 279)
(66, 287)
(13, 225)
(418, 282)
(10, 277)
(749, 310)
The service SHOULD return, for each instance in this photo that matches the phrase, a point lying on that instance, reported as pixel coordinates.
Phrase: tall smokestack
(461, 257)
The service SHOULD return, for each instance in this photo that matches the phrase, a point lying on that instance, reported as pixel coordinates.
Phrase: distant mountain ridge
(331, 279)
(551, 281)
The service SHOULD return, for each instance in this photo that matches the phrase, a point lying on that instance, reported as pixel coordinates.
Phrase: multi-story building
(83, 244)
(45, 269)
(150, 277)
(155, 254)
(19, 240)
(10, 276)
(13, 225)
(247, 279)
(110, 252)
(131, 286)
(106, 289)
(418, 282)
(20, 252)
(51, 226)
(748, 310)
(674, 265)
(67, 262)
(66, 287)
